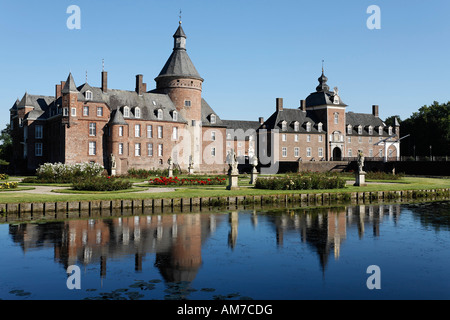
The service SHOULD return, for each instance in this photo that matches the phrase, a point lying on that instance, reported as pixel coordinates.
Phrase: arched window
(126, 111)
(349, 129)
(175, 116)
(283, 126)
(359, 129)
(319, 127)
(160, 114)
(137, 112)
(88, 95)
(308, 126)
(370, 130)
(336, 118)
(296, 126)
(213, 119)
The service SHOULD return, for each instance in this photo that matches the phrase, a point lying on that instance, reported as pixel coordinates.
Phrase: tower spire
(180, 18)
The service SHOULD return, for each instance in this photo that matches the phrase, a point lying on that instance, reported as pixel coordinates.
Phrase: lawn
(406, 183)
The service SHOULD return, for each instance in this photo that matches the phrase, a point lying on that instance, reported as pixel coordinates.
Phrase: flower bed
(8, 185)
(3, 176)
(164, 181)
(65, 173)
(308, 181)
(102, 184)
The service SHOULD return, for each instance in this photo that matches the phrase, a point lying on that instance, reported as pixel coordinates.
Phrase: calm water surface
(245, 254)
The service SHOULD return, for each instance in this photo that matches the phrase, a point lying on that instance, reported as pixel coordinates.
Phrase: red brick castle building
(143, 129)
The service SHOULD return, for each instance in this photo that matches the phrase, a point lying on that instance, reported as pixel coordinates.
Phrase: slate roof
(365, 120)
(179, 64)
(291, 116)
(207, 111)
(323, 95)
(69, 86)
(242, 124)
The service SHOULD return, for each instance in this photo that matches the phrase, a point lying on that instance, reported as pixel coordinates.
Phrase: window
(349, 152)
(336, 118)
(38, 132)
(284, 152)
(160, 114)
(120, 148)
(160, 132)
(150, 149)
(213, 119)
(99, 111)
(38, 149)
(296, 152)
(390, 131)
(308, 138)
(308, 127)
(320, 127)
(349, 129)
(88, 95)
(92, 148)
(187, 103)
(296, 138)
(137, 149)
(360, 139)
(73, 112)
(359, 129)
(296, 126)
(92, 129)
(349, 139)
(283, 126)
(85, 111)
(149, 131)
(308, 152)
(320, 152)
(391, 153)
(380, 130)
(213, 151)
(320, 138)
(175, 116)
(283, 137)
(370, 130)
(137, 112)
(126, 112)
(137, 130)
(380, 153)
(371, 153)
(160, 150)
(370, 139)
(213, 136)
(65, 114)
(121, 131)
(175, 133)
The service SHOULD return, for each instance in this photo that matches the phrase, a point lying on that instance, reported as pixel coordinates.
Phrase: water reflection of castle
(176, 240)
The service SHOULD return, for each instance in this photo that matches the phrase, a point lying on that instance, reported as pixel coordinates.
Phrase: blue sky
(249, 52)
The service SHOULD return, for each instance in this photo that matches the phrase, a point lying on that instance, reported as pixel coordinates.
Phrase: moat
(283, 253)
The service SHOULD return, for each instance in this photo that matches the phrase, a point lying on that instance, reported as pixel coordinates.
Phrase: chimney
(140, 86)
(279, 104)
(58, 89)
(303, 105)
(261, 120)
(375, 110)
(104, 81)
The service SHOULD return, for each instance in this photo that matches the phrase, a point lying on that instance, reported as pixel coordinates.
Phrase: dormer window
(175, 116)
(319, 127)
(213, 119)
(160, 114)
(380, 130)
(88, 95)
(390, 131)
(336, 100)
(359, 129)
(126, 112)
(137, 112)
(296, 126)
(370, 130)
(349, 129)
(308, 127)
(283, 125)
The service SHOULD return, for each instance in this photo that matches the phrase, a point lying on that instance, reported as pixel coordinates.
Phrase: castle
(143, 129)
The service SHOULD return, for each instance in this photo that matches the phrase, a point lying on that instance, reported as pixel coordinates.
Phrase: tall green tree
(428, 127)
(6, 145)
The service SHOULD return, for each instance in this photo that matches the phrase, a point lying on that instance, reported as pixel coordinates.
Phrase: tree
(6, 145)
(430, 126)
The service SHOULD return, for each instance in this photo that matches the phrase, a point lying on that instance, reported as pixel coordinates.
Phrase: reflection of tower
(254, 219)
(232, 235)
(336, 230)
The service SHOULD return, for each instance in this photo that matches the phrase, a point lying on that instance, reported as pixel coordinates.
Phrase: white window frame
(137, 112)
(73, 112)
(213, 119)
(92, 129)
(336, 118)
(149, 131)
(160, 150)
(137, 130)
(160, 114)
(150, 149)
(38, 149)
(121, 131)
(349, 152)
(99, 111)
(320, 152)
(309, 152)
(88, 95)
(175, 116)
(320, 138)
(85, 111)
(296, 152)
(296, 138)
(187, 103)
(175, 133)
(283, 137)
(308, 138)
(284, 152)
(213, 136)
(213, 151)
(92, 148)
(137, 149)
(359, 129)
(160, 132)
(120, 148)
(126, 112)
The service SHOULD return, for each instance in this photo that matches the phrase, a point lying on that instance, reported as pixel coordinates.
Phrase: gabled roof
(37, 102)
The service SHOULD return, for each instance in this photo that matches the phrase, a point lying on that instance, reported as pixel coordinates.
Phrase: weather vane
(180, 17)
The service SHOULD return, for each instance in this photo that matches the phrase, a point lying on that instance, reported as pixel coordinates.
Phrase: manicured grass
(407, 183)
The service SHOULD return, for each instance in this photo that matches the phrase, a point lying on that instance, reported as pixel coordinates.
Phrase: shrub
(3, 176)
(164, 181)
(102, 183)
(65, 173)
(8, 185)
(383, 176)
(303, 181)
(144, 174)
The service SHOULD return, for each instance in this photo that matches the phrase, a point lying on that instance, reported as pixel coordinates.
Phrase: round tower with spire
(181, 81)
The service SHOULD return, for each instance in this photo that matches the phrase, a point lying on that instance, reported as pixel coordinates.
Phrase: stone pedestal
(113, 171)
(360, 179)
(253, 176)
(170, 173)
(233, 182)
(190, 170)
